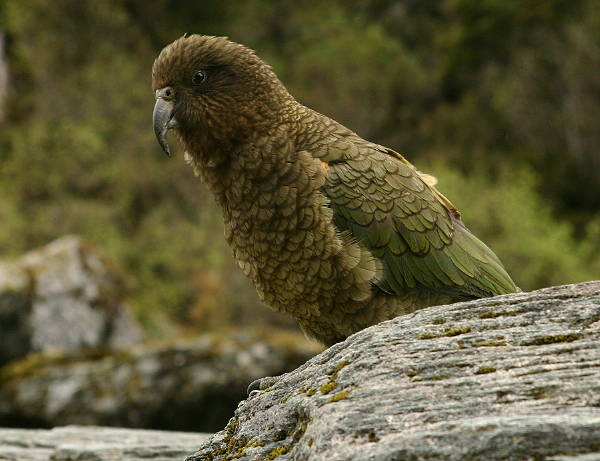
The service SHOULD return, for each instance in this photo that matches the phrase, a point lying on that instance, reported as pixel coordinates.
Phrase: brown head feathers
(191, 52)
(220, 90)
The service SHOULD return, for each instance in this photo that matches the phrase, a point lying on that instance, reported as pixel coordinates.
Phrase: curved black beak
(163, 117)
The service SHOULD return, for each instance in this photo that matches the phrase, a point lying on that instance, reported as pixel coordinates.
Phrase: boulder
(189, 385)
(63, 298)
(512, 377)
(95, 444)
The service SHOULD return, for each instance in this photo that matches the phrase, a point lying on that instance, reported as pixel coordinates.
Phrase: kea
(336, 231)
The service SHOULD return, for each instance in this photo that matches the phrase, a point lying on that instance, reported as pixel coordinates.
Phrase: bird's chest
(281, 232)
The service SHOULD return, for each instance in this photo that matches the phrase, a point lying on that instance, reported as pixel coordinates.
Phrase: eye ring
(199, 77)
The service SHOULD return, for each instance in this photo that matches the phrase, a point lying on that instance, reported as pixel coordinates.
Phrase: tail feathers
(490, 277)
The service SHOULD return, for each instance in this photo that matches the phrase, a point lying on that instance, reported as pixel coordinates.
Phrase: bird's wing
(381, 199)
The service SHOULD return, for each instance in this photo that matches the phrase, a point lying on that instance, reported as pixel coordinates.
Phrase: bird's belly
(290, 268)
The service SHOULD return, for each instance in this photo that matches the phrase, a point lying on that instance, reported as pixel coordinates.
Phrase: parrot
(336, 231)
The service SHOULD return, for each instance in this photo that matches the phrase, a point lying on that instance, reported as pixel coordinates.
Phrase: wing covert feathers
(414, 230)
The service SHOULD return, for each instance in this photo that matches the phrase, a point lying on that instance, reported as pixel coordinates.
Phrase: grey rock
(513, 377)
(63, 297)
(95, 444)
(188, 385)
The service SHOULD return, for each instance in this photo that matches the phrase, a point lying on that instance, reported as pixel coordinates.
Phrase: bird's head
(212, 92)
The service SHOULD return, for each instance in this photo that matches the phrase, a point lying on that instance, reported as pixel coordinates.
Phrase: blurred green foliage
(517, 222)
(498, 99)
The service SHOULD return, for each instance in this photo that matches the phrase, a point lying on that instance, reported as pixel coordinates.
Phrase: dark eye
(198, 77)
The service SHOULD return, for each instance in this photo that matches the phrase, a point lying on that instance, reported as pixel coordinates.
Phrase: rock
(95, 444)
(189, 385)
(63, 297)
(513, 377)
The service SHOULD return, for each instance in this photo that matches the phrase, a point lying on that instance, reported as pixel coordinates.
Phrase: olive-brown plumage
(336, 231)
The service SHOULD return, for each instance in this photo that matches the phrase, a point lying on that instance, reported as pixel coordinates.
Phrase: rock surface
(63, 297)
(95, 444)
(512, 377)
(190, 385)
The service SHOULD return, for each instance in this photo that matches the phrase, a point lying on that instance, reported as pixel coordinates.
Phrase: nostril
(167, 93)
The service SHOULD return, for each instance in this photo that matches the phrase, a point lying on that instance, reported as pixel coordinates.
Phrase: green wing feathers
(412, 228)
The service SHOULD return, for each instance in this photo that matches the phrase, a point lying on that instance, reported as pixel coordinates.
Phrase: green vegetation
(497, 99)
(335, 370)
(328, 387)
(485, 370)
(551, 339)
(447, 332)
(457, 331)
(493, 315)
(491, 344)
(429, 336)
(339, 396)
(276, 452)
(333, 373)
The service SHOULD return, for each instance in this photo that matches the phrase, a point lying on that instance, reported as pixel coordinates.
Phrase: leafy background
(498, 99)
